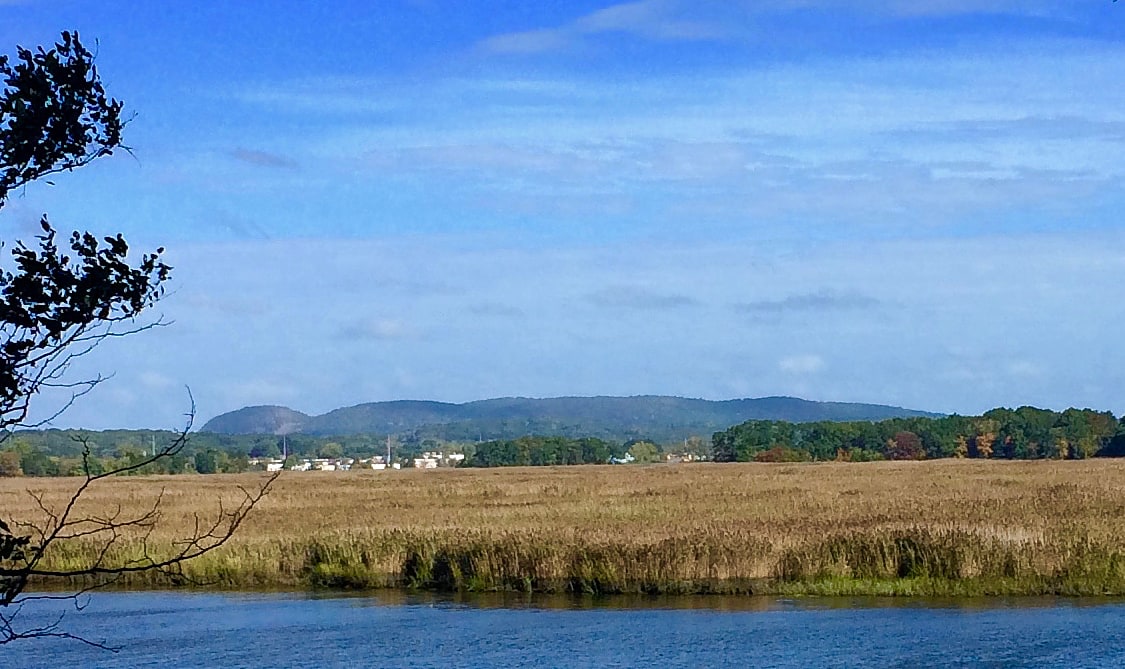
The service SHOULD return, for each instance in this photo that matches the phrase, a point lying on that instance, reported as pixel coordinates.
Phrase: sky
(897, 202)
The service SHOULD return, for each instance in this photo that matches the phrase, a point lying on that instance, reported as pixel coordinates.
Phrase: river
(394, 630)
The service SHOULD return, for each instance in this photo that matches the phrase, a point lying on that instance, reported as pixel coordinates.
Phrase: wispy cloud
(378, 329)
(263, 158)
(674, 20)
(913, 8)
(496, 310)
(661, 20)
(1028, 128)
(335, 95)
(637, 297)
(899, 142)
(655, 19)
(528, 41)
(824, 300)
(1020, 295)
(709, 198)
(957, 7)
(801, 364)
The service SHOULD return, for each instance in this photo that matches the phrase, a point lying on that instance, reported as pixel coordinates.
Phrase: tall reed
(918, 528)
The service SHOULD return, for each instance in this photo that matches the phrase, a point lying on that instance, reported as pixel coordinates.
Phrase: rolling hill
(659, 418)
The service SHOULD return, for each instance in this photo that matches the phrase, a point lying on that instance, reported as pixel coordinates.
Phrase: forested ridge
(651, 417)
(1023, 433)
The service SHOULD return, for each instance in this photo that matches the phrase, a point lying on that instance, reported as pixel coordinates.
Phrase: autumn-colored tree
(10, 464)
(905, 445)
(1062, 446)
(962, 448)
(982, 444)
(984, 437)
(781, 454)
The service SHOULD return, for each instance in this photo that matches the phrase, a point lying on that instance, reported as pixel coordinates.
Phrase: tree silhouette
(58, 301)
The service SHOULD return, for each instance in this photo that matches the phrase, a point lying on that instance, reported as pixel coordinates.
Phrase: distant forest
(59, 452)
(1024, 433)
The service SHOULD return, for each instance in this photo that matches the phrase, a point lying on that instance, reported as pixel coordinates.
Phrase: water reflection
(419, 631)
(516, 600)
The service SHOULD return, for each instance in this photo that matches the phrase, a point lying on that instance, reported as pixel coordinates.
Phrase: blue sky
(911, 203)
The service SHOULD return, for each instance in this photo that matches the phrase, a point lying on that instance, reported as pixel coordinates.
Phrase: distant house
(425, 463)
(681, 457)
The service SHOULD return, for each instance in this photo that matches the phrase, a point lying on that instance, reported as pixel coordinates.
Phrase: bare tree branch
(59, 300)
(22, 563)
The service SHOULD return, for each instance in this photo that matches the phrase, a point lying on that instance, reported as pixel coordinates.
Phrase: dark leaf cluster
(57, 301)
(534, 451)
(54, 113)
(55, 305)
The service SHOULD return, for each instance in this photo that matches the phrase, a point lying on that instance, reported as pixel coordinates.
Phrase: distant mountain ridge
(661, 418)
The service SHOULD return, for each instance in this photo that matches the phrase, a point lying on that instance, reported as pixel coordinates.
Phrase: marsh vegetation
(951, 527)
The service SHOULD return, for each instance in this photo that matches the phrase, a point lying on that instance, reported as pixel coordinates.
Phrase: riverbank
(940, 528)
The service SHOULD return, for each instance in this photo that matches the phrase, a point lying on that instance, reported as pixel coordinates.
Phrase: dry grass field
(909, 528)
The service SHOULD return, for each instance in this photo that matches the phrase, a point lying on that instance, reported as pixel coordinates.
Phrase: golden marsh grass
(926, 528)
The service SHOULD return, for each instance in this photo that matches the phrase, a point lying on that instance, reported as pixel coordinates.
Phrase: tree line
(1025, 433)
(533, 451)
(60, 452)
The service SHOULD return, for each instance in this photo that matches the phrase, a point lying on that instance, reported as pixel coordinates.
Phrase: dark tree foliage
(722, 447)
(535, 451)
(54, 113)
(56, 306)
(58, 300)
(1023, 433)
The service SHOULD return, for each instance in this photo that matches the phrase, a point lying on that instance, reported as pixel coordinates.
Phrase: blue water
(288, 631)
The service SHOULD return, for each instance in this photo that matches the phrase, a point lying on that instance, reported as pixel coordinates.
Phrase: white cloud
(156, 380)
(962, 325)
(1025, 368)
(655, 19)
(801, 364)
(676, 20)
(902, 142)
